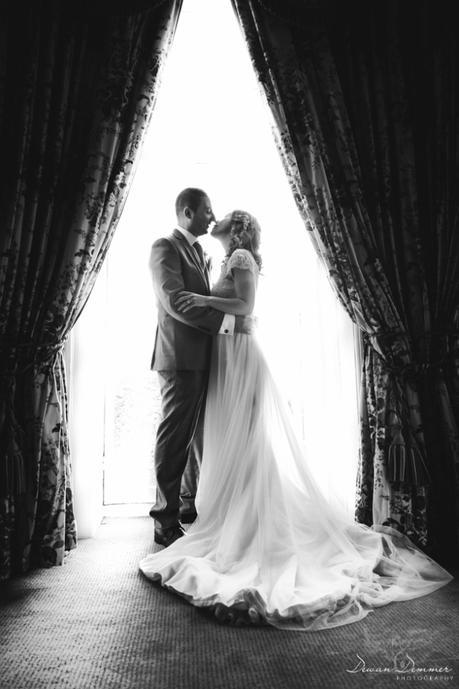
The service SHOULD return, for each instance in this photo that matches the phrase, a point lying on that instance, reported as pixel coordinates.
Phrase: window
(212, 129)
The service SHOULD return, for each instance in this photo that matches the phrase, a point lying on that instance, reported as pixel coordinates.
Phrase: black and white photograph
(229, 344)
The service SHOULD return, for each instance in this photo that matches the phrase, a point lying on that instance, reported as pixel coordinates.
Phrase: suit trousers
(182, 395)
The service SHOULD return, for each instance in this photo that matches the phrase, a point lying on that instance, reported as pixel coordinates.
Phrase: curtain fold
(365, 104)
(77, 89)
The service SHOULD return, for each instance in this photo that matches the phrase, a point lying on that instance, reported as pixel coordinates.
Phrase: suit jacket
(183, 340)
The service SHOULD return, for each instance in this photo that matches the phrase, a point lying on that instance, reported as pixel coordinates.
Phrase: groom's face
(202, 218)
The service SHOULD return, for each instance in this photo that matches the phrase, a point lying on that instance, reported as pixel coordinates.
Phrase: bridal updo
(245, 234)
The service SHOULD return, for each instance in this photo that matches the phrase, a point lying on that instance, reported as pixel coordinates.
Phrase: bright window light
(212, 129)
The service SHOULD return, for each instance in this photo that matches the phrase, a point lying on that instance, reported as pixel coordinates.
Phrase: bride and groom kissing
(264, 546)
(186, 323)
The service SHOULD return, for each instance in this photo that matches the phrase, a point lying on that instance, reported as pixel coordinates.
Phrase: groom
(182, 357)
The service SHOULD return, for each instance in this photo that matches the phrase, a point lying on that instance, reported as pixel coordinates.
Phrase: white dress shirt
(229, 319)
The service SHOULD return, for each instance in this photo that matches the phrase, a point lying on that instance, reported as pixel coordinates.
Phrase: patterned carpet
(96, 623)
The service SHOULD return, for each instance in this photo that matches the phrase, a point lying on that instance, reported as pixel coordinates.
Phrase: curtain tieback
(12, 354)
(414, 371)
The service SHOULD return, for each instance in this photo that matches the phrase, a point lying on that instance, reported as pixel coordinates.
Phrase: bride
(266, 547)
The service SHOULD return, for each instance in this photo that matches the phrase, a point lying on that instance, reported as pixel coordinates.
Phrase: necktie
(198, 248)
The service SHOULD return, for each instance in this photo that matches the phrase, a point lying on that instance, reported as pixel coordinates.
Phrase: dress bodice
(240, 258)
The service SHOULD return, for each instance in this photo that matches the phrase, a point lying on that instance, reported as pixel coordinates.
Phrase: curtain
(364, 98)
(77, 88)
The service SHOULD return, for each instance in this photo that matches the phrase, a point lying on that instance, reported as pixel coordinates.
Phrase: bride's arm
(240, 305)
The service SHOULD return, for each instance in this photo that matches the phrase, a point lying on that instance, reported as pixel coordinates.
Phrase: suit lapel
(191, 253)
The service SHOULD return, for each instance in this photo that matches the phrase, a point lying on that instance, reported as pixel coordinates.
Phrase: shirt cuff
(227, 326)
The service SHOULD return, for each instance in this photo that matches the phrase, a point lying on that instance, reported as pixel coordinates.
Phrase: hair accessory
(242, 217)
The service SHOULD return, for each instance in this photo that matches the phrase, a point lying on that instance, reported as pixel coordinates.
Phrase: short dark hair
(191, 198)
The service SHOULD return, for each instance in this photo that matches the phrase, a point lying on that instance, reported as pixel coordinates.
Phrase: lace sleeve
(241, 258)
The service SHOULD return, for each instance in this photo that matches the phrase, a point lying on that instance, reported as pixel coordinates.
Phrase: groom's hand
(244, 324)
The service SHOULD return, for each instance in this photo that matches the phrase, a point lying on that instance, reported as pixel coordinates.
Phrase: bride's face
(222, 228)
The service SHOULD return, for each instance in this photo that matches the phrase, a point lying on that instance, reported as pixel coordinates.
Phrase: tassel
(417, 472)
(12, 467)
(15, 468)
(12, 471)
(396, 461)
(405, 464)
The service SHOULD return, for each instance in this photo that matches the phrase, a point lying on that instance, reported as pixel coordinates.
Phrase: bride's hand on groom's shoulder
(189, 300)
(245, 324)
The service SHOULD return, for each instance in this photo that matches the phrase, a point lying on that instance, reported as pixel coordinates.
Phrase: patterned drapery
(364, 98)
(77, 89)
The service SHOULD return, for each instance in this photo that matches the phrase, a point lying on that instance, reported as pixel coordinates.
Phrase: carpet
(96, 622)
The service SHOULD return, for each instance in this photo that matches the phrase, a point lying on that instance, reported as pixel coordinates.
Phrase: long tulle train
(267, 548)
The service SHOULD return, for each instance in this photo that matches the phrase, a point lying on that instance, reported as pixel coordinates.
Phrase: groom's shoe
(167, 535)
(188, 517)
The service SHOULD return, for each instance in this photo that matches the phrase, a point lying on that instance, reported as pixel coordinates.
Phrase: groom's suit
(182, 358)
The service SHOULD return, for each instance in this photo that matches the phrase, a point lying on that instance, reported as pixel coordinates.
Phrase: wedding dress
(267, 547)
